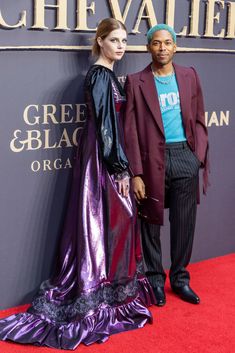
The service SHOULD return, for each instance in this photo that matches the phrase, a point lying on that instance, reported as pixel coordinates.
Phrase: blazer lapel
(149, 91)
(182, 81)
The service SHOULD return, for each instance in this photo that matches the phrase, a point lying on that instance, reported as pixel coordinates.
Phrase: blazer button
(160, 167)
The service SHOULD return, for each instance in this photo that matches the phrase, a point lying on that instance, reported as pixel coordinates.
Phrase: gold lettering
(211, 17)
(231, 20)
(224, 118)
(21, 22)
(75, 134)
(68, 164)
(39, 14)
(116, 12)
(35, 166)
(212, 120)
(57, 163)
(26, 115)
(65, 113)
(194, 20)
(170, 16)
(46, 164)
(170, 13)
(33, 140)
(82, 10)
(47, 114)
(13, 146)
(47, 138)
(183, 31)
(64, 139)
(206, 118)
(80, 108)
(147, 7)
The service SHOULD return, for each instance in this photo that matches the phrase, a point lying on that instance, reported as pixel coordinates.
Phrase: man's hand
(138, 188)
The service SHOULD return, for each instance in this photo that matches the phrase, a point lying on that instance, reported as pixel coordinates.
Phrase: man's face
(162, 47)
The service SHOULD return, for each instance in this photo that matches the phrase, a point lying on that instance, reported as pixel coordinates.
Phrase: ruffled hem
(30, 328)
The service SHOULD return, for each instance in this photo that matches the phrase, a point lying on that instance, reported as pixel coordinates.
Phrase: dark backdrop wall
(44, 55)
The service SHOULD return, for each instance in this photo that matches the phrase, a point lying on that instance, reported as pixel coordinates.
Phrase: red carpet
(178, 327)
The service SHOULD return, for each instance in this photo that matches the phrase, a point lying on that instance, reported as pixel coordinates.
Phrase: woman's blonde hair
(104, 28)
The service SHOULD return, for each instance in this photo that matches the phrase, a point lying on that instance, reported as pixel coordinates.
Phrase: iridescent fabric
(99, 288)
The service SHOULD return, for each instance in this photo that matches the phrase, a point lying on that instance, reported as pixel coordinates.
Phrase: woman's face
(113, 47)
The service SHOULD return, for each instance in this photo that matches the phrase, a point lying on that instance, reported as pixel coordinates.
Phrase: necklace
(164, 82)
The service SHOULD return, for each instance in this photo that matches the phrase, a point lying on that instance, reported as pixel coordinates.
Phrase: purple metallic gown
(99, 288)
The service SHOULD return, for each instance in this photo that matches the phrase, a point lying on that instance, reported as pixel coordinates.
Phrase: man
(166, 144)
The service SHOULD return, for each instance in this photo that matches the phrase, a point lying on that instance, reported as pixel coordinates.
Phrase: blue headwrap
(161, 26)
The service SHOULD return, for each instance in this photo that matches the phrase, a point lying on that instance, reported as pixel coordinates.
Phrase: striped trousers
(181, 185)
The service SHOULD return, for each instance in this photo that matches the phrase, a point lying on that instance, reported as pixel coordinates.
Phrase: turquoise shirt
(169, 100)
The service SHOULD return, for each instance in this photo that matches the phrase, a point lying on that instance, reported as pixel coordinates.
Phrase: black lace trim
(107, 294)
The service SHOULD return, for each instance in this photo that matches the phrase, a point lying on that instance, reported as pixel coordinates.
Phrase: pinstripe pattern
(181, 183)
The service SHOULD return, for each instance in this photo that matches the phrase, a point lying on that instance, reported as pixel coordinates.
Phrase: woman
(98, 289)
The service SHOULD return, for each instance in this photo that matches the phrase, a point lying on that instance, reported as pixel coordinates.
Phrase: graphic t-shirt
(169, 100)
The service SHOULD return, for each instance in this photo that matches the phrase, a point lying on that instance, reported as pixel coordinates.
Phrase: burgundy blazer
(144, 132)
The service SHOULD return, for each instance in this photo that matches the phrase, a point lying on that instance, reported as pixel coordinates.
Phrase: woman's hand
(138, 188)
(123, 186)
